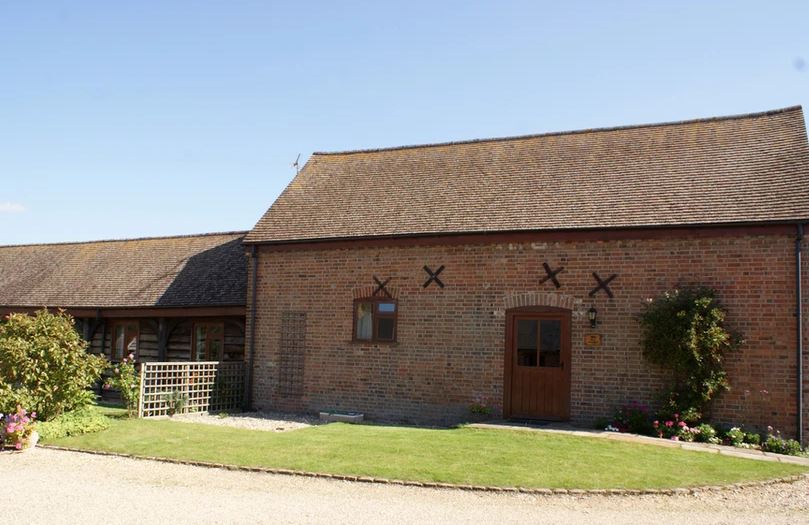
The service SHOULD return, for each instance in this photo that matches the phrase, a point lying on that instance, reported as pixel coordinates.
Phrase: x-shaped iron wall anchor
(433, 276)
(551, 275)
(602, 284)
(380, 286)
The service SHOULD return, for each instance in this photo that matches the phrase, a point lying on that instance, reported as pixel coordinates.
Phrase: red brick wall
(451, 341)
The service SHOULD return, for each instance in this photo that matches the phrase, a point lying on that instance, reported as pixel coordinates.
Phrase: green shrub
(175, 401)
(125, 378)
(74, 423)
(684, 332)
(44, 365)
(705, 433)
(633, 417)
(752, 438)
(778, 445)
(735, 436)
(671, 408)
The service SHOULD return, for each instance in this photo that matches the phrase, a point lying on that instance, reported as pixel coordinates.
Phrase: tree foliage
(44, 364)
(684, 332)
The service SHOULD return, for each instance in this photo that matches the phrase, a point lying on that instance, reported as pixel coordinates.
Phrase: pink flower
(676, 415)
(132, 356)
(18, 445)
(675, 438)
(656, 423)
(669, 424)
(681, 424)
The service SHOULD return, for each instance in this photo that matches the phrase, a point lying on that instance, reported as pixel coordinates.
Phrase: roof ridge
(569, 132)
(154, 238)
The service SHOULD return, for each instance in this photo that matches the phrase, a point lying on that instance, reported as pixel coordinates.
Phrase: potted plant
(18, 429)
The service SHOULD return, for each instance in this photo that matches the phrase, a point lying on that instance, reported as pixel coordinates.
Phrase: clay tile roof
(193, 270)
(741, 169)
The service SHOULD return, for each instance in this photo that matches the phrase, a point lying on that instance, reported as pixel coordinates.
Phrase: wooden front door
(538, 365)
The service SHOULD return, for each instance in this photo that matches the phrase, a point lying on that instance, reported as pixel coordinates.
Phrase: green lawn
(112, 410)
(461, 455)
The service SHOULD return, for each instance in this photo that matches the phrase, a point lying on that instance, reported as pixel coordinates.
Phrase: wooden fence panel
(205, 386)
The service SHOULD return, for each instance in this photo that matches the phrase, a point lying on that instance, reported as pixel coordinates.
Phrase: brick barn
(409, 282)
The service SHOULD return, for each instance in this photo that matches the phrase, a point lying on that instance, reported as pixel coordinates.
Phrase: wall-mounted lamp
(592, 315)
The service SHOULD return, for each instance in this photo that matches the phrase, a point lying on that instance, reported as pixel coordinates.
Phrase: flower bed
(636, 418)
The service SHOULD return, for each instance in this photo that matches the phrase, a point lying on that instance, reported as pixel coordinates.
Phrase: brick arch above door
(555, 300)
(364, 292)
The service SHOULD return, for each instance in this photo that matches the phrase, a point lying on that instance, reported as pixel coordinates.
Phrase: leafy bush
(479, 407)
(752, 438)
(176, 401)
(124, 377)
(44, 364)
(672, 408)
(778, 445)
(75, 423)
(633, 417)
(675, 429)
(735, 436)
(705, 433)
(684, 332)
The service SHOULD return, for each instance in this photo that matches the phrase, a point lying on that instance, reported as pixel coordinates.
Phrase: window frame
(375, 316)
(208, 325)
(114, 328)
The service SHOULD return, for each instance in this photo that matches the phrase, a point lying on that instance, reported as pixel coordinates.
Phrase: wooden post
(162, 339)
(187, 384)
(142, 389)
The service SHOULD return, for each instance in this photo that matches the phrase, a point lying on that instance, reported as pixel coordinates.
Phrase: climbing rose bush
(44, 365)
(684, 332)
(125, 378)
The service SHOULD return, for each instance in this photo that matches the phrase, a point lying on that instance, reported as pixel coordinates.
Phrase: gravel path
(49, 486)
(269, 421)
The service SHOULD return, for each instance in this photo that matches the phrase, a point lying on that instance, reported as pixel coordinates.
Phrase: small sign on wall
(592, 340)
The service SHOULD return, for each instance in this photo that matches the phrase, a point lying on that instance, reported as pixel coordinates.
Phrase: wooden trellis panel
(293, 353)
(207, 386)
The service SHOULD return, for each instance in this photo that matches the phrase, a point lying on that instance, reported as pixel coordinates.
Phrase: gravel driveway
(49, 486)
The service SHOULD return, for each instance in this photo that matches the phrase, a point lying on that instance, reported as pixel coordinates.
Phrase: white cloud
(11, 207)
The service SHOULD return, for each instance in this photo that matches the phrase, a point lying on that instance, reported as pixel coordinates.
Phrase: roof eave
(739, 224)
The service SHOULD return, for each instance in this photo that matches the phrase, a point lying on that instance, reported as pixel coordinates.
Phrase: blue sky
(127, 119)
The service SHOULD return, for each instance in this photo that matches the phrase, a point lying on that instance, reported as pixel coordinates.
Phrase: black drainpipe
(252, 349)
(799, 315)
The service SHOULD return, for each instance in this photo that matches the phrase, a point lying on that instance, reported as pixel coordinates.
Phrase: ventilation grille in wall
(293, 350)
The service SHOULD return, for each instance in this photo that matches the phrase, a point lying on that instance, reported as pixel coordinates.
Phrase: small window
(209, 341)
(124, 340)
(375, 320)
